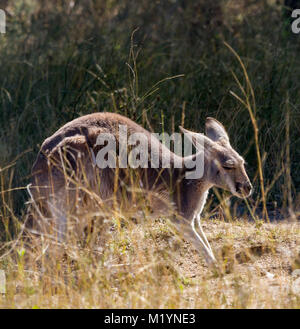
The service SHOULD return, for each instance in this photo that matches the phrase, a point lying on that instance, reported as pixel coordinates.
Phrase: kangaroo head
(223, 166)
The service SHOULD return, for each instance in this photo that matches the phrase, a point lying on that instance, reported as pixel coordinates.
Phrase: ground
(145, 265)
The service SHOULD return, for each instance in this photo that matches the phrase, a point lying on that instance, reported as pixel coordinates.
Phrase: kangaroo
(69, 158)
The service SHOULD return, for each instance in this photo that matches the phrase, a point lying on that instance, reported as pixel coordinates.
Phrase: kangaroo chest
(193, 199)
(201, 202)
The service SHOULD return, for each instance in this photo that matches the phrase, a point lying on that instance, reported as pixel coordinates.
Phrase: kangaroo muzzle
(244, 189)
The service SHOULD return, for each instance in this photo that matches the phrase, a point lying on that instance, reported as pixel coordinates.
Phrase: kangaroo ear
(215, 130)
(198, 140)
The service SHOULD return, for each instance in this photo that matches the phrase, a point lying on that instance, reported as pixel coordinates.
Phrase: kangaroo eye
(228, 165)
(228, 168)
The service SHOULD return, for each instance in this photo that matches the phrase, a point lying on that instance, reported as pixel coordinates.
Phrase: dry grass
(144, 265)
(60, 62)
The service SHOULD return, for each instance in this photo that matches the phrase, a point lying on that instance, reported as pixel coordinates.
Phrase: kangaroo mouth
(238, 191)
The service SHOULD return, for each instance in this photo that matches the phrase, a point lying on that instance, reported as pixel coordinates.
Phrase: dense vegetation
(63, 59)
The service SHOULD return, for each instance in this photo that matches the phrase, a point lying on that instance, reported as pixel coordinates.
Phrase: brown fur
(64, 173)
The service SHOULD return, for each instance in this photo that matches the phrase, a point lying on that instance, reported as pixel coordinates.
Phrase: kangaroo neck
(192, 193)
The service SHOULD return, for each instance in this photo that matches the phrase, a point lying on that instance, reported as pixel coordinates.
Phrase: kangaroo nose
(245, 188)
(248, 187)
